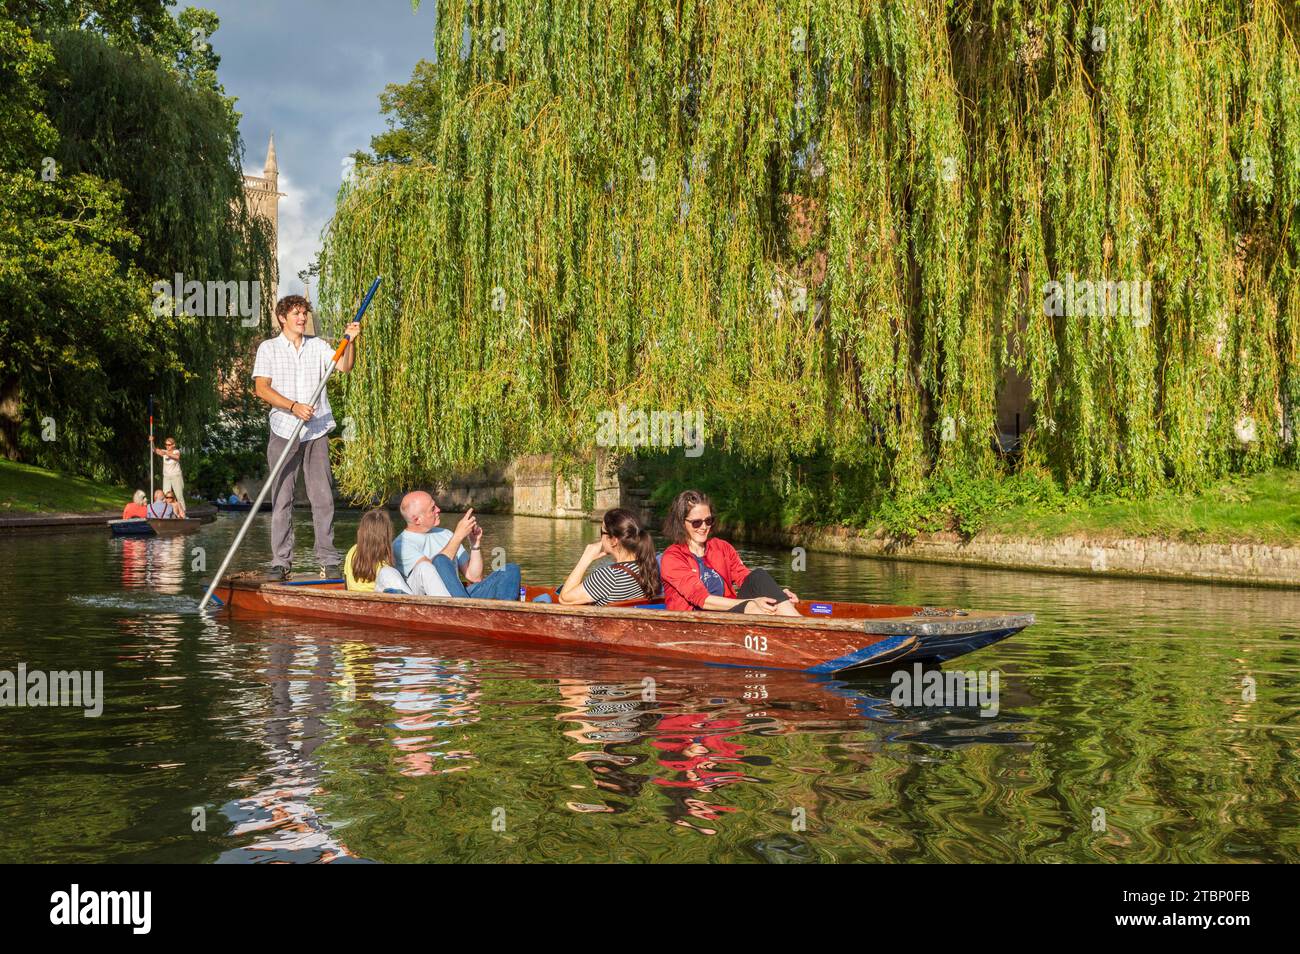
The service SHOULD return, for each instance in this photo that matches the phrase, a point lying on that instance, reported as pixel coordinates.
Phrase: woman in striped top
(633, 576)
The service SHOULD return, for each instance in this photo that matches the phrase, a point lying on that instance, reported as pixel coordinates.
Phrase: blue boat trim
(860, 656)
(939, 649)
(310, 582)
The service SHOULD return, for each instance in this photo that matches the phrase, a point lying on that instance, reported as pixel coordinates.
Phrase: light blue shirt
(410, 546)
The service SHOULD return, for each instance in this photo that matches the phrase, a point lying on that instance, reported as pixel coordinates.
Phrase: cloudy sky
(311, 71)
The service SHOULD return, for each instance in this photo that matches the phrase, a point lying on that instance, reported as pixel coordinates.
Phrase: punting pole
(284, 454)
(149, 503)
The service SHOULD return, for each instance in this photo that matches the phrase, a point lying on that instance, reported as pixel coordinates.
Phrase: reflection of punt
(828, 637)
(136, 527)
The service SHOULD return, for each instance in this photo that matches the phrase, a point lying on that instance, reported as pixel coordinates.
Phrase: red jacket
(683, 588)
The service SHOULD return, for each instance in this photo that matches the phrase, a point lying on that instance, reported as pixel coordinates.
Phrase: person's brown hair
(287, 304)
(374, 544)
(626, 530)
(675, 523)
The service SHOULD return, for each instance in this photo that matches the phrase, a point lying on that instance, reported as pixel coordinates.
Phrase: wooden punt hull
(134, 527)
(827, 638)
(242, 507)
(152, 526)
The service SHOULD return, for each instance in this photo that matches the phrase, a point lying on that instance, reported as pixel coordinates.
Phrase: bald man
(432, 558)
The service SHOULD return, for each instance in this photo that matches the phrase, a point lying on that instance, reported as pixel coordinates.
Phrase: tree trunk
(10, 416)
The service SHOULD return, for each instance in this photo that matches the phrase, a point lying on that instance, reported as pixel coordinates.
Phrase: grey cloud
(311, 71)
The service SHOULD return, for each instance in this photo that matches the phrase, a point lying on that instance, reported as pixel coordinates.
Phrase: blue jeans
(501, 585)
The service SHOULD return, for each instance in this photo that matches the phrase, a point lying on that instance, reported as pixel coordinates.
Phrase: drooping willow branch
(837, 228)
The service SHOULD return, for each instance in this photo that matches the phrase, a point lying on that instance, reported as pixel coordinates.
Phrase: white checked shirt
(295, 373)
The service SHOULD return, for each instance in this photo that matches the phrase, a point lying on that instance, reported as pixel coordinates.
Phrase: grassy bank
(28, 489)
(1260, 508)
(1256, 508)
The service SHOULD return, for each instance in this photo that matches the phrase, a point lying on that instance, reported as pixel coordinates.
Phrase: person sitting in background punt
(633, 575)
(136, 509)
(432, 557)
(368, 568)
(702, 572)
(174, 502)
(160, 509)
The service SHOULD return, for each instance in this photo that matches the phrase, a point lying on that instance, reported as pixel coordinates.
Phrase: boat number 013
(756, 642)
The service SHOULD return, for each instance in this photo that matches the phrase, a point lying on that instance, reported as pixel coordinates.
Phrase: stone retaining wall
(1245, 563)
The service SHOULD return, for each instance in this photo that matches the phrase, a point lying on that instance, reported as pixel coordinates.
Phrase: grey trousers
(313, 459)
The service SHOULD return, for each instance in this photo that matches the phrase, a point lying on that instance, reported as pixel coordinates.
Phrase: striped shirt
(295, 373)
(608, 584)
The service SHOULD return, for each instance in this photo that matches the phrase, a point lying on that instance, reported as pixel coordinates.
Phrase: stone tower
(264, 194)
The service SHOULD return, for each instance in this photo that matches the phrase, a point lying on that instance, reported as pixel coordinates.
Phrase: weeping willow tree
(837, 227)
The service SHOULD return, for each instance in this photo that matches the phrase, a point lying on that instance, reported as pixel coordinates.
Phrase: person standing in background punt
(173, 480)
(286, 372)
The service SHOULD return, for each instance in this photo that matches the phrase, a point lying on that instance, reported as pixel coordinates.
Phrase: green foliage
(964, 504)
(766, 494)
(628, 202)
(234, 447)
(61, 273)
(815, 492)
(216, 471)
(121, 102)
(180, 43)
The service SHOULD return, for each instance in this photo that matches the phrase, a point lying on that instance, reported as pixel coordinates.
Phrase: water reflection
(155, 564)
(314, 742)
(365, 708)
(279, 821)
(432, 698)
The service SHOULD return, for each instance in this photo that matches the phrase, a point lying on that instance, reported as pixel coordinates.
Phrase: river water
(1136, 722)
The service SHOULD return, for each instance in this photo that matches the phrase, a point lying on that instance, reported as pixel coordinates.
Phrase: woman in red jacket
(703, 573)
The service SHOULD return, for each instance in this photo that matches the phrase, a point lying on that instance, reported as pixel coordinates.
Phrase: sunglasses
(696, 524)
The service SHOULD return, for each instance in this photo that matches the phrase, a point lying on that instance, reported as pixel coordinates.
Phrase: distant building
(263, 194)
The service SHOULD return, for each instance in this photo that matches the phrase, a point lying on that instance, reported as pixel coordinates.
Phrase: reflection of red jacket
(683, 588)
(677, 733)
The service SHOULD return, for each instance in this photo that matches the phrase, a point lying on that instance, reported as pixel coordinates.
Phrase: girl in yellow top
(368, 565)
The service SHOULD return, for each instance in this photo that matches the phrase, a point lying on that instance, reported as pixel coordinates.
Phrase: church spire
(271, 168)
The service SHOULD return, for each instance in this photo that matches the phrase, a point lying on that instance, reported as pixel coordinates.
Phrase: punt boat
(827, 637)
(148, 527)
(242, 507)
